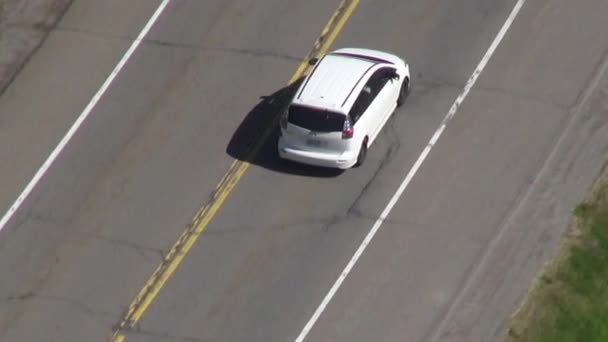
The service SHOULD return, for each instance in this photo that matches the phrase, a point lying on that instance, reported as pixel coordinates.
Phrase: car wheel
(403, 92)
(362, 154)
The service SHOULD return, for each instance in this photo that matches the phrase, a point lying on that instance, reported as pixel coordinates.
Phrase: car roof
(332, 80)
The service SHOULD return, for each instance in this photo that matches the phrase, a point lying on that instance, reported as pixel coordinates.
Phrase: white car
(341, 106)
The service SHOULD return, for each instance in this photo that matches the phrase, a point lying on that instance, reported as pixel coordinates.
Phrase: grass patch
(569, 301)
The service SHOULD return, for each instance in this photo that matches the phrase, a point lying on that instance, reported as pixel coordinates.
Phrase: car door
(376, 102)
(363, 124)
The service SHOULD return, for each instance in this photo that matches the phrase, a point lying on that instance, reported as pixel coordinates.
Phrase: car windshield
(317, 120)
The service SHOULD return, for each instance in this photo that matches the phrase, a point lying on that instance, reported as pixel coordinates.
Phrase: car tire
(403, 92)
(362, 154)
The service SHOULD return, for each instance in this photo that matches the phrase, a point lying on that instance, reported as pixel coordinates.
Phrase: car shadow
(255, 140)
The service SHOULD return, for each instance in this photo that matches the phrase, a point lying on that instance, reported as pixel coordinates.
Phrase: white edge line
(412, 172)
(85, 113)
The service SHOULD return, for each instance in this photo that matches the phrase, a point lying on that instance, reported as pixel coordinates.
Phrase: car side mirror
(313, 61)
(393, 75)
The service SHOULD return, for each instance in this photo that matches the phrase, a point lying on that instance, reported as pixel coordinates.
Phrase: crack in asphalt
(31, 216)
(165, 43)
(325, 222)
(77, 304)
(251, 52)
(394, 147)
(142, 250)
(293, 224)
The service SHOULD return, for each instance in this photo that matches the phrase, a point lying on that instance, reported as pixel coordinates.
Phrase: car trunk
(315, 129)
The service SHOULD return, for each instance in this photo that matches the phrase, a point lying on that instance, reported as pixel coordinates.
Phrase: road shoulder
(23, 27)
(566, 297)
(532, 234)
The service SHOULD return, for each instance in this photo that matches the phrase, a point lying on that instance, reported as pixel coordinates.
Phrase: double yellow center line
(172, 260)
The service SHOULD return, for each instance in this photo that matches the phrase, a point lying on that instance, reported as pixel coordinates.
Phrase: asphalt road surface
(451, 261)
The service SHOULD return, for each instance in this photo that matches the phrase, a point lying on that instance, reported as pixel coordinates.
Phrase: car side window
(369, 92)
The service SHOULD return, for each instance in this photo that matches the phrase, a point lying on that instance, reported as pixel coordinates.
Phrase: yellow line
(235, 172)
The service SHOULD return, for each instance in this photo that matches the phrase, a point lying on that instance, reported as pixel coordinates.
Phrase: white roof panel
(332, 81)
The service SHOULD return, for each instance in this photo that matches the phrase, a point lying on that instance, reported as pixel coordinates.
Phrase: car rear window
(317, 120)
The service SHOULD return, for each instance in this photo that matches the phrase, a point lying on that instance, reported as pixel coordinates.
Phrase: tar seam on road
(410, 175)
(237, 169)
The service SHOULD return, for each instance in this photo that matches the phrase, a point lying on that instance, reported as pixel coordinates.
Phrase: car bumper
(332, 160)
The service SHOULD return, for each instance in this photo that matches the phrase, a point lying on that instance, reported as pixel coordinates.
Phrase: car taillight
(347, 131)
